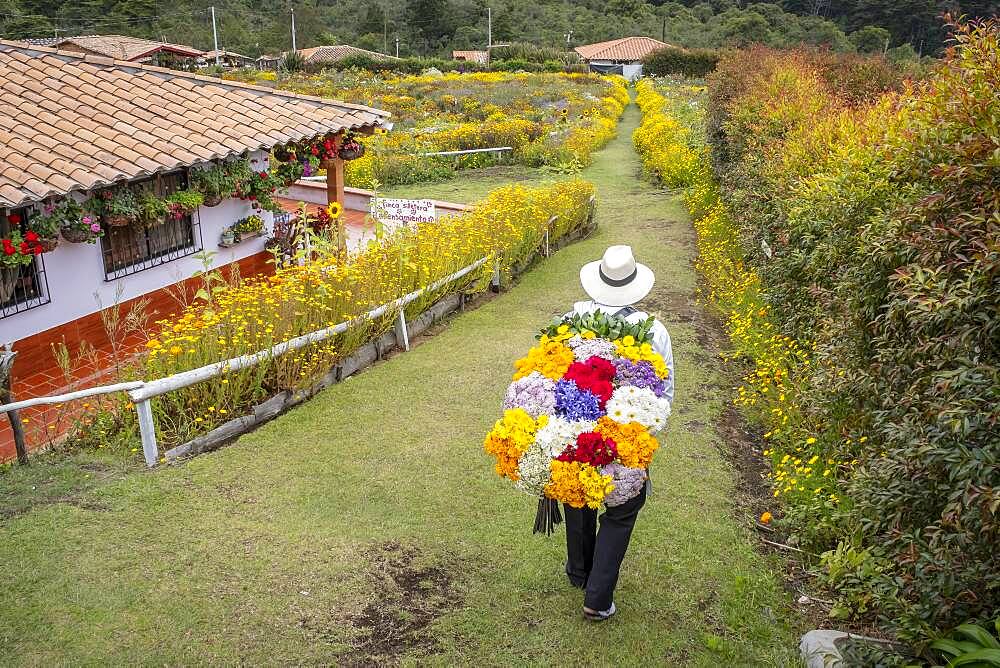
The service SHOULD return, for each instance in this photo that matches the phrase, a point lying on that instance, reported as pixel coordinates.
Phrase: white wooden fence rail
(141, 392)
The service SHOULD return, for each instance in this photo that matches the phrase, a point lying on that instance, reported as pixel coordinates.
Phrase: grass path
(369, 523)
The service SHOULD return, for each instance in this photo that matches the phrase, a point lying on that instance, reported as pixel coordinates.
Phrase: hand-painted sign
(403, 210)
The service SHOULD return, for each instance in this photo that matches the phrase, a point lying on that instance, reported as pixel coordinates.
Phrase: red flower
(591, 448)
(24, 248)
(30, 236)
(8, 249)
(37, 250)
(14, 219)
(315, 150)
(594, 375)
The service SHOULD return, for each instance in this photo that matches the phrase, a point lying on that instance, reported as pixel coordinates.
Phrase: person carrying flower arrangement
(580, 421)
(594, 557)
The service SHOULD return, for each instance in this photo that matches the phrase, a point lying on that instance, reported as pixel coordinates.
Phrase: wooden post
(335, 193)
(6, 397)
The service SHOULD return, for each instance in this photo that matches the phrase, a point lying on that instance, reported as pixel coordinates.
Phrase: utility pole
(385, 32)
(663, 31)
(293, 30)
(489, 28)
(215, 36)
(569, 36)
(397, 46)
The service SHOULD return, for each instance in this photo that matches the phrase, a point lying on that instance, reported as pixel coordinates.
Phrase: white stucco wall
(75, 273)
(630, 71)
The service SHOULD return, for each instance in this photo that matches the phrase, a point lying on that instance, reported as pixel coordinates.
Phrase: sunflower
(334, 209)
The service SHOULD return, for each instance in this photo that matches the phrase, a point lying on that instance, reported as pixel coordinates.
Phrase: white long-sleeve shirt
(660, 342)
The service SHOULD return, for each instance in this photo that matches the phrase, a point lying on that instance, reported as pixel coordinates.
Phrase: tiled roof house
(123, 47)
(619, 56)
(481, 57)
(74, 125)
(332, 53)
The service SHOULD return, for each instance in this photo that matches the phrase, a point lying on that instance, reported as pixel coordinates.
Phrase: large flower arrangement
(580, 417)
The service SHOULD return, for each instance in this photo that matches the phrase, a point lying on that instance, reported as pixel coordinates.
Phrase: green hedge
(869, 212)
(673, 60)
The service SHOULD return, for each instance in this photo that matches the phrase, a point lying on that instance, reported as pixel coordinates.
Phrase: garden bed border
(373, 351)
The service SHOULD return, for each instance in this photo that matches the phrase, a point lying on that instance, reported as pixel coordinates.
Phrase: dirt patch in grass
(741, 446)
(408, 594)
(50, 479)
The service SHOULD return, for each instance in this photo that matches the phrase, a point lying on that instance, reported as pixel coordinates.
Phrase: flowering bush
(849, 246)
(249, 315)
(575, 430)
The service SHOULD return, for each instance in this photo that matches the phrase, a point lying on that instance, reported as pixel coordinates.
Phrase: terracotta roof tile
(125, 48)
(75, 123)
(627, 49)
(333, 53)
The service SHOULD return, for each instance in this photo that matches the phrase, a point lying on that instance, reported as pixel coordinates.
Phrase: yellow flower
(176, 350)
(510, 438)
(549, 358)
(334, 209)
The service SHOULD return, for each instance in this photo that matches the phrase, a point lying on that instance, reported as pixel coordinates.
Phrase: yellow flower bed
(800, 471)
(547, 118)
(250, 315)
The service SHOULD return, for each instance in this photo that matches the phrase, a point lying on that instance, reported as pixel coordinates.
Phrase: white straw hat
(617, 279)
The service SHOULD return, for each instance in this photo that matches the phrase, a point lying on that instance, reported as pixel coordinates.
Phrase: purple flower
(638, 374)
(95, 228)
(628, 483)
(583, 349)
(534, 393)
(307, 168)
(575, 404)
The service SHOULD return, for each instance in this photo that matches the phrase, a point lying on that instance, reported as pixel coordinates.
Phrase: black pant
(594, 557)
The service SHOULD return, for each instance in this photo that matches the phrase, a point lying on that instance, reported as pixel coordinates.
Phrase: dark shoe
(600, 615)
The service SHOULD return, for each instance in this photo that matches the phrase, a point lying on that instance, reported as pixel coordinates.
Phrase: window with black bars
(22, 286)
(137, 247)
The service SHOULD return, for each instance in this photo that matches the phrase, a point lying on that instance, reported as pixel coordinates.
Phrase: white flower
(559, 433)
(639, 404)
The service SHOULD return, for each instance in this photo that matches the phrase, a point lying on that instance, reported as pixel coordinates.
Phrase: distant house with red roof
(131, 49)
(619, 56)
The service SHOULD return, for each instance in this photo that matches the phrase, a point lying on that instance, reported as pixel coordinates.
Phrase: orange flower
(765, 518)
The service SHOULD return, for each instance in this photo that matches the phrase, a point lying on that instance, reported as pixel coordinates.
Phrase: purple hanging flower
(628, 483)
(534, 393)
(638, 374)
(575, 404)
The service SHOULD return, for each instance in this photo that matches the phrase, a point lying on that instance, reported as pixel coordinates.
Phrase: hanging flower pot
(212, 200)
(283, 154)
(48, 244)
(76, 235)
(351, 151)
(120, 207)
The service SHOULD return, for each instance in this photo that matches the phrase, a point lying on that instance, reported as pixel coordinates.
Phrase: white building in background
(619, 56)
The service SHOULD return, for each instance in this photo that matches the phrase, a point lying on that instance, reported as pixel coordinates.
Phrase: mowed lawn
(368, 525)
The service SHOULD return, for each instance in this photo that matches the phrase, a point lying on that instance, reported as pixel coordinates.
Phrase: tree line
(435, 27)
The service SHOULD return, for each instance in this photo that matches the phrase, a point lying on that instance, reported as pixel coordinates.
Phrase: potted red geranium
(16, 251)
